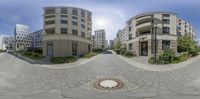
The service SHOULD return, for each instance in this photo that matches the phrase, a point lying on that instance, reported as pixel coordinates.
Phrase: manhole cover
(108, 84)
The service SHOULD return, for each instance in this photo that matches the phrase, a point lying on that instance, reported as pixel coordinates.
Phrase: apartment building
(111, 44)
(38, 38)
(6, 42)
(99, 39)
(141, 30)
(23, 38)
(121, 35)
(67, 31)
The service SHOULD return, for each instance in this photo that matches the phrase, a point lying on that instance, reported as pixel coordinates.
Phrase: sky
(110, 15)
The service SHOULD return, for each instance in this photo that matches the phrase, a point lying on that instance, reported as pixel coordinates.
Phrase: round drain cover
(108, 84)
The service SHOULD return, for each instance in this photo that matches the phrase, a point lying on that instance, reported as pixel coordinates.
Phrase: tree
(186, 44)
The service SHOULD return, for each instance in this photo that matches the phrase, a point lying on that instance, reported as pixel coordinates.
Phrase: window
(50, 31)
(82, 13)
(82, 26)
(165, 44)
(74, 32)
(166, 15)
(75, 18)
(50, 16)
(82, 34)
(63, 16)
(63, 30)
(130, 29)
(130, 22)
(166, 30)
(82, 20)
(74, 11)
(74, 23)
(130, 36)
(64, 10)
(89, 16)
(166, 21)
(130, 46)
(63, 21)
(50, 11)
(49, 22)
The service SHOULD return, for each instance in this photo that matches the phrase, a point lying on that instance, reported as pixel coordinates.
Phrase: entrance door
(74, 48)
(144, 48)
(49, 49)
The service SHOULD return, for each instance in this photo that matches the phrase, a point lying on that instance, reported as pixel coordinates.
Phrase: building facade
(38, 38)
(99, 39)
(121, 35)
(111, 44)
(67, 31)
(143, 29)
(23, 38)
(6, 42)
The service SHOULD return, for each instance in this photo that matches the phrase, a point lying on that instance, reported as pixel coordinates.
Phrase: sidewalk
(143, 64)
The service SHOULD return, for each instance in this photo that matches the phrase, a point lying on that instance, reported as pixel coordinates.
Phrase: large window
(165, 44)
(50, 16)
(75, 18)
(82, 26)
(63, 21)
(49, 22)
(74, 23)
(74, 32)
(130, 46)
(166, 15)
(50, 31)
(50, 11)
(166, 21)
(64, 10)
(82, 34)
(83, 13)
(130, 36)
(166, 30)
(63, 16)
(130, 29)
(63, 30)
(75, 11)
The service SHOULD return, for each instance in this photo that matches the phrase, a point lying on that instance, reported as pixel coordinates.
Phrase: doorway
(144, 48)
(49, 49)
(74, 48)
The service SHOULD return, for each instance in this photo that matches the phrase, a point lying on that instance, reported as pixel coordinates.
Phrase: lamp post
(155, 43)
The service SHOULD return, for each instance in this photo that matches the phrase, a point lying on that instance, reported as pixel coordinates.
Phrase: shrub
(70, 59)
(89, 55)
(151, 60)
(166, 57)
(59, 60)
(36, 55)
(129, 54)
(123, 51)
(28, 53)
(117, 51)
(2, 51)
(97, 50)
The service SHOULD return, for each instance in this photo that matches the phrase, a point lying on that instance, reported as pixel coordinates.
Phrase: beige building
(121, 35)
(141, 29)
(67, 31)
(99, 39)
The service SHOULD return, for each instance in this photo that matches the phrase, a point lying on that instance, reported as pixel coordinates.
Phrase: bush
(117, 51)
(123, 51)
(36, 55)
(70, 59)
(89, 55)
(59, 60)
(151, 60)
(129, 54)
(166, 57)
(2, 51)
(181, 57)
(28, 53)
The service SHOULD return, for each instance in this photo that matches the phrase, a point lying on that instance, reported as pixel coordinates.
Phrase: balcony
(143, 18)
(143, 31)
(143, 24)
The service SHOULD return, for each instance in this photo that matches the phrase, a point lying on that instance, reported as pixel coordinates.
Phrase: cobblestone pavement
(21, 80)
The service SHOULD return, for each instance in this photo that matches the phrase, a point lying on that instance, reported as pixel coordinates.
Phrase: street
(22, 80)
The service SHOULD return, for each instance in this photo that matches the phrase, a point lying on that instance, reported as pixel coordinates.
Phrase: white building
(99, 39)
(121, 35)
(37, 40)
(23, 38)
(6, 42)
